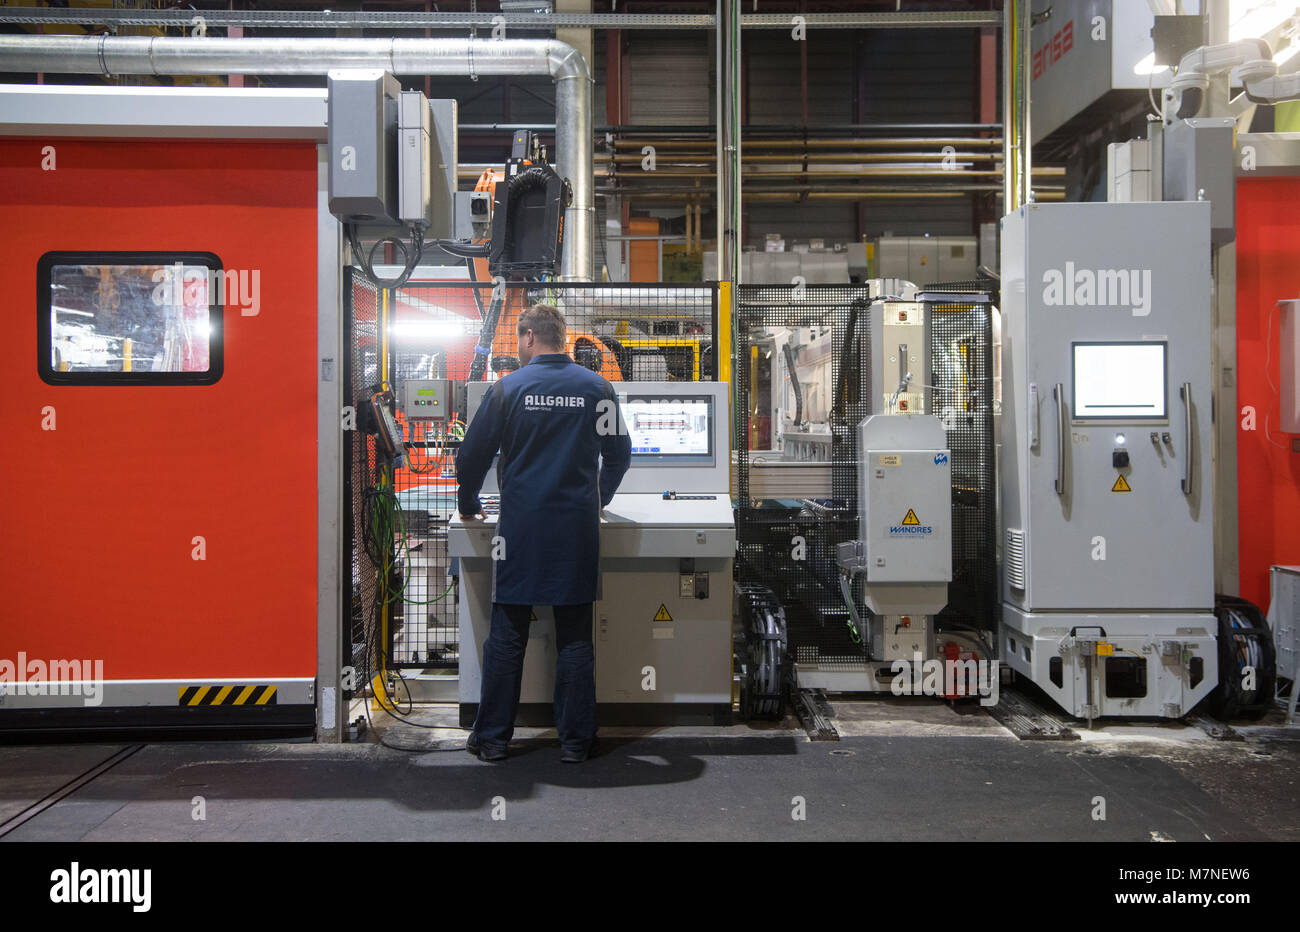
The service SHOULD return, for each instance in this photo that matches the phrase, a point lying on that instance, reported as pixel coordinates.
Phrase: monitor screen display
(669, 429)
(1119, 380)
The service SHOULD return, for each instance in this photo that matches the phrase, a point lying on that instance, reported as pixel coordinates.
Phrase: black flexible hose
(478, 367)
(794, 383)
(462, 249)
(521, 184)
(846, 351)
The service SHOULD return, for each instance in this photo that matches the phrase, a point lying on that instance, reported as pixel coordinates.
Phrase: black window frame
(44, 326)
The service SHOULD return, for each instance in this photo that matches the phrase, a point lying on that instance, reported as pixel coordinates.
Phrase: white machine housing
(904, 549)
(1107, 510)
(665, 592)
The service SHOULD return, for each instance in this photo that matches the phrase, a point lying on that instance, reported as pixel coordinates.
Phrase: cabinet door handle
(1033, 415)
(1186, 394)
(1059, 394)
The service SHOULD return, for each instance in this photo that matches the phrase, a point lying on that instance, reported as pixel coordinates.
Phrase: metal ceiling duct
(111, 55)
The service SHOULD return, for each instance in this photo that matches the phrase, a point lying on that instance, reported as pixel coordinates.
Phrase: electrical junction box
(363, 146)
(904, 348)
(905, 500)
(426, 399)
(904, 546)
(415, 130)
(473, 214)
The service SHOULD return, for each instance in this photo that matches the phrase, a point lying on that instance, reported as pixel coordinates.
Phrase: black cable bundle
(1245, 643)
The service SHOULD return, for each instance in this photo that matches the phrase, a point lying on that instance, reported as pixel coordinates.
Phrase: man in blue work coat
(554, 423)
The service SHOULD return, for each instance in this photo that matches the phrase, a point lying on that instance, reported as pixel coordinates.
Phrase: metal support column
(1016, 137)
(1227, 571)
(727, 101)
(331, 711)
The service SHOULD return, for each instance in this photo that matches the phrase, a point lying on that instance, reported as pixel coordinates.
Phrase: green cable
(406, 551)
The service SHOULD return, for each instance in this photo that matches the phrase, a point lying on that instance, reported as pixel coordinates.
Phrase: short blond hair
(546, 321)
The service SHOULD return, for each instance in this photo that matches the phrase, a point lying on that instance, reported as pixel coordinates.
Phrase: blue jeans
(503, 674)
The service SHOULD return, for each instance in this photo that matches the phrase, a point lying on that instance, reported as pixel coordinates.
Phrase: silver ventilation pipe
(112, 55)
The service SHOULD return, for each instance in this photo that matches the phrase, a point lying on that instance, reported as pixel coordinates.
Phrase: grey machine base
(1162, 663)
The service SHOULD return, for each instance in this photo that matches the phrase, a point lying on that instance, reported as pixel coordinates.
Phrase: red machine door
(101, 505)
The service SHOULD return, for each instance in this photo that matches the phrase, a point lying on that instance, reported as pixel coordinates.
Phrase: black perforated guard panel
(808, 589)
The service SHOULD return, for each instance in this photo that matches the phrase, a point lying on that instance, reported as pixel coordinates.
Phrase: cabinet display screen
(1120, 380)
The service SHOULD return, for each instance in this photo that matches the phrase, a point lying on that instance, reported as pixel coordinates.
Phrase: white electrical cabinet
(1107, 496)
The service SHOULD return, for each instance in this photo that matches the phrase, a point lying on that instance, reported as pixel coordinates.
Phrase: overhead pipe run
(396, 19)
(117, 55)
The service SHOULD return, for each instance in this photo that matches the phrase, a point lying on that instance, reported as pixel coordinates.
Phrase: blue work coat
(553, 421)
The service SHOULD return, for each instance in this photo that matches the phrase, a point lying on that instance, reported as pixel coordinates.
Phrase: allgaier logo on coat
(541, 402)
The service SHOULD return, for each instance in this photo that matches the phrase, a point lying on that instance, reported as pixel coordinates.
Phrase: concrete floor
(905, 769)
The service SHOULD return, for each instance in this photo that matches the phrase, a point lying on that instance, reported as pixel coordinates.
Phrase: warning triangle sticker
(532, 616)
(1120, 485)
(910, 519)
(662, 614)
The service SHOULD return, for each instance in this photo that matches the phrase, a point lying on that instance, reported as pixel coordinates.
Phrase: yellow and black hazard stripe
(234, 694)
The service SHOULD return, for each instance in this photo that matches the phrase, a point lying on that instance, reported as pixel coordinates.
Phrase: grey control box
(427, 164)
(426, 399)
(363, 141)
(415, 189)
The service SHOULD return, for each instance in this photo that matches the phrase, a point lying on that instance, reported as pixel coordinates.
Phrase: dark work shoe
(578, 755)
(472, 745)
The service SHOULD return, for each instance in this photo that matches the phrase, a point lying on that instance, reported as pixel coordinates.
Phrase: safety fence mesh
(625, 332)
(801, 431)
(961, 362)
